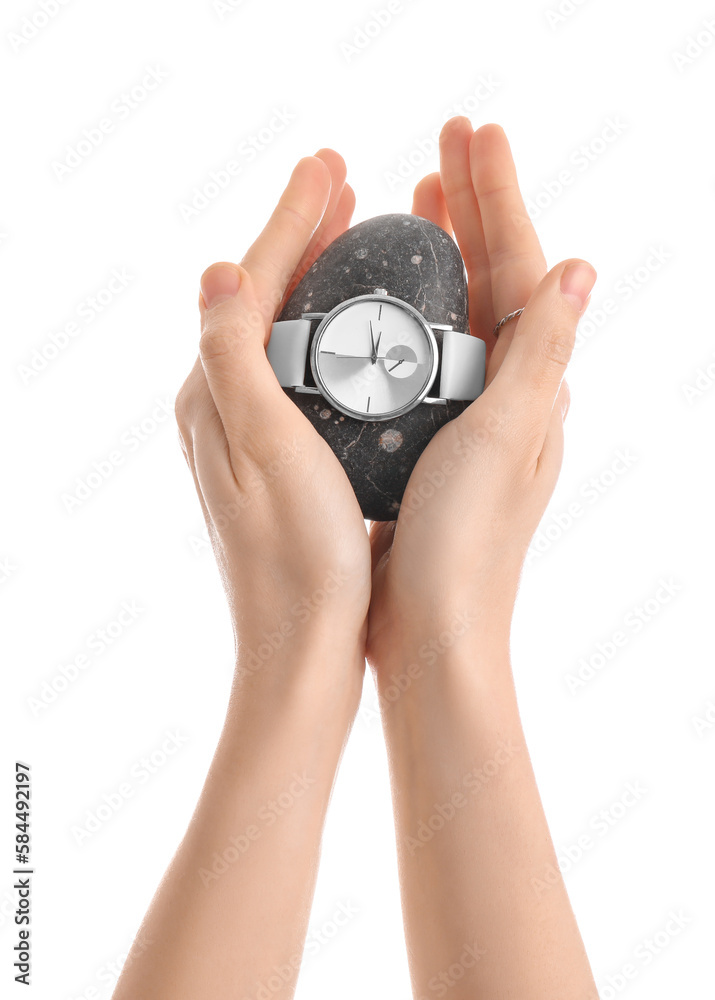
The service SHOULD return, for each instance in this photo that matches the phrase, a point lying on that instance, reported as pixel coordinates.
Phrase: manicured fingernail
(577, 281)
(218, 283)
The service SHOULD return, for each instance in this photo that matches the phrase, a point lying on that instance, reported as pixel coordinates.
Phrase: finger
(201, 435)
(329, 230)
(382, 534)
(428, 202)
(552, 449)
(188, 400)
(339, 223)
(276, 253)
(232, 352)
(338, 173)
(528, 381)
(563, 401)
(463, 207)
(516, 260)
(213, 468)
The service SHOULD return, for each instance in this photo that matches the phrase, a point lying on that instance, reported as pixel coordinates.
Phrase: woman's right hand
(480, 488)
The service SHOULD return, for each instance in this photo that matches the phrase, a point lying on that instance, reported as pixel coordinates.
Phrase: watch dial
(374, 358)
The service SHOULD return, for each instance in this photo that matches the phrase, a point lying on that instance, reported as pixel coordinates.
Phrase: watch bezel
(360, 414)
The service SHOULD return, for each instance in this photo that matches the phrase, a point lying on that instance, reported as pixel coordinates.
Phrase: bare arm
(230, 915)
(471, 832)
(473, 841)
(232, 910)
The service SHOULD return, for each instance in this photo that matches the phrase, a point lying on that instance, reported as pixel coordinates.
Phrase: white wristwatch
(375, 357)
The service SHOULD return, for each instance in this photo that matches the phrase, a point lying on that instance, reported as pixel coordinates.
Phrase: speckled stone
(414, 260)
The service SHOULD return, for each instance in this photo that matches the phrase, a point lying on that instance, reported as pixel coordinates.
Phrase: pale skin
(231, 912)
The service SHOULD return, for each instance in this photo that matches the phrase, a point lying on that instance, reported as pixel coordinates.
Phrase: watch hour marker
(389, 357)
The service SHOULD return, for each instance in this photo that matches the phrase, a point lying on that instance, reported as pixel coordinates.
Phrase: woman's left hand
(285, 525)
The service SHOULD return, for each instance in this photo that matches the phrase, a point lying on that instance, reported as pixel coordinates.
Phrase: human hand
(285, 525)
(480, 488)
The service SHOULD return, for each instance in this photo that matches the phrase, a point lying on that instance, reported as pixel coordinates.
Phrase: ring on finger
(505, 319)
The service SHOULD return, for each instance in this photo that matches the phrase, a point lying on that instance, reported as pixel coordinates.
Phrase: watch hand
(361, 357)
(377, 345)
(396, 366)
(373, 356)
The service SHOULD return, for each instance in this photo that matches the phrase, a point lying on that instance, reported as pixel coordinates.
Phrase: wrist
(318, 663)
(449, 633)
(295, 712)
(426, 670)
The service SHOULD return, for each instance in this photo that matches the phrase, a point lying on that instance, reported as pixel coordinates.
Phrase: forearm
(232, 910)
(472, 835)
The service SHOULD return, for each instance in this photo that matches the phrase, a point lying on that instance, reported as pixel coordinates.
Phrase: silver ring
(505, 319)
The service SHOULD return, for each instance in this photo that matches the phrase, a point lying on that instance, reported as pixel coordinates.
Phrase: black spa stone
(414, 260)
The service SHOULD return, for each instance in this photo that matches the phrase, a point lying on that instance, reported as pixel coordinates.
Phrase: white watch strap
(463, 366)
(287, 350)
(462, 369)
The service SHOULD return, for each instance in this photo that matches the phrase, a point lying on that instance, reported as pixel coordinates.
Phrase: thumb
(528, 380)
(232, 349)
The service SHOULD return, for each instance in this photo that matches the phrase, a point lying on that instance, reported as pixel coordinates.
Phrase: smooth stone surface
(414, 260)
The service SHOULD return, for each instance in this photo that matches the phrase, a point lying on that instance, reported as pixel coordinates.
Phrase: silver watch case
(327, 318)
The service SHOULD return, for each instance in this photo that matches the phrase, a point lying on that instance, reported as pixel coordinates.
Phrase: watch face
(374, 357)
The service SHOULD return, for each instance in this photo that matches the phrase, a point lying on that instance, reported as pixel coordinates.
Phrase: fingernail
(577, 281)
(218, 283)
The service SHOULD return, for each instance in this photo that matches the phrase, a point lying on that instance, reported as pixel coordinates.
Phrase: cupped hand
(284, 522)
(480, 488)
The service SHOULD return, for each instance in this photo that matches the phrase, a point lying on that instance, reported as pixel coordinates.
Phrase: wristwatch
(375, 357)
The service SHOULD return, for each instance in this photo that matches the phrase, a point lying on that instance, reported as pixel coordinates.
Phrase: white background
(139, 535)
